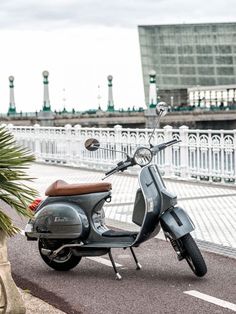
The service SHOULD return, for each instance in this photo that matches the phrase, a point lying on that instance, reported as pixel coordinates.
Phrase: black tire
(193, 256)
(64, 261)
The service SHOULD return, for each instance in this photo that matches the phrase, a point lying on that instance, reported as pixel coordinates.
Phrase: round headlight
(143, 156)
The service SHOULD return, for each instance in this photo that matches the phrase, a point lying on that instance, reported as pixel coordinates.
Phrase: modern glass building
(187, 55)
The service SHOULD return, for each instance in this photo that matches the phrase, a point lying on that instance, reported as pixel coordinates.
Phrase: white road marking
(103, 261)
(211, 299)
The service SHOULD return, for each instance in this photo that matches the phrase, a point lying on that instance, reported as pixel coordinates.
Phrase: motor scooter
(70, 223)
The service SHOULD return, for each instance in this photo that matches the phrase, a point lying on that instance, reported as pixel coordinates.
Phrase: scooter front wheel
(64, 261)
(191, 253)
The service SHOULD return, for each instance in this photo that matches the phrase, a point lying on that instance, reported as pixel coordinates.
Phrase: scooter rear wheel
(190, 251)
(64, 261)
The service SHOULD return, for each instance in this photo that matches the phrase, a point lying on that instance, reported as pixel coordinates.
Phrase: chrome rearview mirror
(161, 109)
(92, 144)
(143, 156)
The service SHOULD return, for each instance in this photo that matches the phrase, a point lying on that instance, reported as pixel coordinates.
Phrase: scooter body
(69, 227)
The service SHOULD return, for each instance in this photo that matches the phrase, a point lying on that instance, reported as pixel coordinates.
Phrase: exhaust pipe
(53, 254)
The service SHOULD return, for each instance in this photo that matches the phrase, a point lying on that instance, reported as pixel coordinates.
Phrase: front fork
(176, 246)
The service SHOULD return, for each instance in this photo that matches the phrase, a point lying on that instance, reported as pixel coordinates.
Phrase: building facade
(187, 55)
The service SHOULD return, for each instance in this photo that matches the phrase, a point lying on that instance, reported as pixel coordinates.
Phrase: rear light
(34, 205)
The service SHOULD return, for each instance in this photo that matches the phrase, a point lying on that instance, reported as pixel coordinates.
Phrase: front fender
(176, 222)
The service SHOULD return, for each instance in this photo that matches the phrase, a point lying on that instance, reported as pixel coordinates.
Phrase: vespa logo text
(60, 219)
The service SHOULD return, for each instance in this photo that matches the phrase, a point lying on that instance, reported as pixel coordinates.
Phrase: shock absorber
(175, 244)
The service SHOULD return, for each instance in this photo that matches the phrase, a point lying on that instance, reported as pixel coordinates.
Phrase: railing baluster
(208, 155)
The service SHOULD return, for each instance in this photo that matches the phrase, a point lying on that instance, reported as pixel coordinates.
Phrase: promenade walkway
(211, 207)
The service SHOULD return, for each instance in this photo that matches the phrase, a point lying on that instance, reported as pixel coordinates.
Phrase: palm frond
(13, 161)
(6, 224)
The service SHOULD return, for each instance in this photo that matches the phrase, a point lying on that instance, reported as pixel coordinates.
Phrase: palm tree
(13, 192)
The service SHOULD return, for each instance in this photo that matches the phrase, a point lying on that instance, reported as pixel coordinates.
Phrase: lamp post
(172, 101)
(199, 99)
(110, 105)
(12, 106)
(234, 95)
(152, 89)
(64, 100)
(99, 98)
(217, 98)
(46, 101)
(198, 96)
(227, 91)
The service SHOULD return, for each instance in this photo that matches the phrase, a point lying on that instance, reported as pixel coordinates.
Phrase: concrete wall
(199, 118)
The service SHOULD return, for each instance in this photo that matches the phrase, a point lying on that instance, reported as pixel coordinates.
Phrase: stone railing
(202, 154)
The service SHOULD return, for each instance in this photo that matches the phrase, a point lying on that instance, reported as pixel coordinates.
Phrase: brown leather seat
(60, 188)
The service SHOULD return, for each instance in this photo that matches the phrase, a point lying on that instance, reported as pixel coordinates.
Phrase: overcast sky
(80, 42)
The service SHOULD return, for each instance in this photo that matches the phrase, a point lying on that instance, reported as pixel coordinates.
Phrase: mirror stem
(114, 150)
(154, 129)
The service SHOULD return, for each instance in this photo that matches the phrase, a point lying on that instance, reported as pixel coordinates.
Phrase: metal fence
(208, 155)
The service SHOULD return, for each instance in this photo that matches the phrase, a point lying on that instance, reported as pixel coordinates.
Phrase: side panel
(139, 208)
(67, 217)
(59, 221)
(176, 222)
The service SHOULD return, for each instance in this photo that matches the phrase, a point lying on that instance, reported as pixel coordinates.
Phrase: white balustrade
(202, 154)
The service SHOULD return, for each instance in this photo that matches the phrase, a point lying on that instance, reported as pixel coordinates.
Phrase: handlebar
(162, 146)
(123, 165)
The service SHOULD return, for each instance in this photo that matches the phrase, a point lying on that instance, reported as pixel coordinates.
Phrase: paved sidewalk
(211, 207)
(37, 306)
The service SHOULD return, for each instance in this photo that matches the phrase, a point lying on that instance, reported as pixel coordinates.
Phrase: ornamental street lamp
(46, 101)
(12, 106)
(110, 105)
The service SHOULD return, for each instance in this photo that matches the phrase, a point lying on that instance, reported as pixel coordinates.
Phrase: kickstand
(118, 276)
(138, 265)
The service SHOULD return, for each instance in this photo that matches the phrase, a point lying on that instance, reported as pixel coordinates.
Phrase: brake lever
(108, 175)
(121, 166)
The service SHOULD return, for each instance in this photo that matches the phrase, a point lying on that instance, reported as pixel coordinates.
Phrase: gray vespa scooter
(70, 223)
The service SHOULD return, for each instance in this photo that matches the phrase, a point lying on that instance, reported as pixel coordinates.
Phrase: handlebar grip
(121, 166)
(172, 142)
(111, 171)
(162, 146)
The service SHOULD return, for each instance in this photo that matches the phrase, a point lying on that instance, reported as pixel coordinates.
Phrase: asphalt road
(158, 288)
